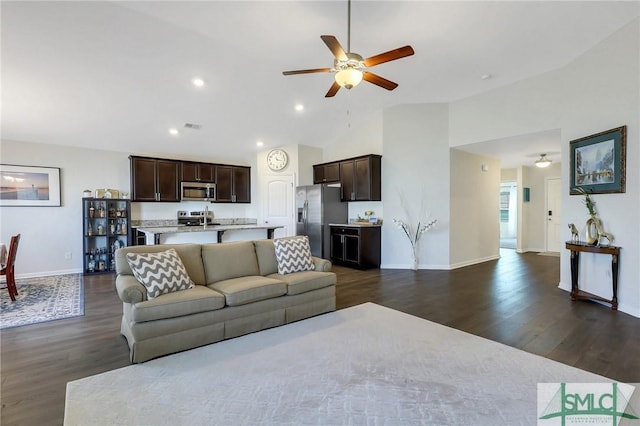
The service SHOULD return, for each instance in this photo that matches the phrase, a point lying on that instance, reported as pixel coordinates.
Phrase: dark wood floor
(514, 300)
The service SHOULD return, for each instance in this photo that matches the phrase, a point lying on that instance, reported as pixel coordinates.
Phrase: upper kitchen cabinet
(198, 172)
(233, 184)
(360, 178)
(326, 173)
(154, 179)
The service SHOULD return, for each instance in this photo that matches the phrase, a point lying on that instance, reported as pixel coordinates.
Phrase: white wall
(47, 233)
(598, 91)
(415, 183)
(474, 225)
(363, 137)
(508, 175)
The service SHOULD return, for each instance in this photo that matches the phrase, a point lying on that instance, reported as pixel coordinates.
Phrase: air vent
(193, 126)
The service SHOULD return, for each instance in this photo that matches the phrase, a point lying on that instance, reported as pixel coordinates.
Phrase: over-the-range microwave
(197, 191)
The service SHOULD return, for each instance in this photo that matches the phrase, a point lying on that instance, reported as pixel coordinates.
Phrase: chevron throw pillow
(160, 273)
(293, 254)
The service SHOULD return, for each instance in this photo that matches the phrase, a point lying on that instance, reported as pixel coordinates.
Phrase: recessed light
(259, 143)
(485, 76)
(299, 107)
(173, 131)
(198, 82)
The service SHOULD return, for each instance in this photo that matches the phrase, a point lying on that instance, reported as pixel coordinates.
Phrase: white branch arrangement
(414, 235)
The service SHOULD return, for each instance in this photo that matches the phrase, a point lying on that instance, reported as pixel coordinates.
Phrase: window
(504, 206)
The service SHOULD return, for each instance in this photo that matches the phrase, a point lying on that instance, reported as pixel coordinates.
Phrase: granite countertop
(210, 228)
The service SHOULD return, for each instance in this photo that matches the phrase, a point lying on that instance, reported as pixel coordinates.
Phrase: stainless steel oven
(197, 191)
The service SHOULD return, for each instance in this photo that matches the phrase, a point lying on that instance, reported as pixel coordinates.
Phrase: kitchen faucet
(206, 215)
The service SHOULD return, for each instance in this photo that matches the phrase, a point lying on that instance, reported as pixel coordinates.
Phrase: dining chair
(9, 267)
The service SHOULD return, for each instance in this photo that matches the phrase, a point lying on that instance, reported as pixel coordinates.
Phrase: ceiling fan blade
(379, 81)
(306, 71)
(334, 45)
(332, 90)
(391, 55)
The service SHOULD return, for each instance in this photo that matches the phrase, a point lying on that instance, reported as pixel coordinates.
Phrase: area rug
(42, 299)
(363, 365)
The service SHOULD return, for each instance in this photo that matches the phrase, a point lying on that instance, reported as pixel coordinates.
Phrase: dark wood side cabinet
(360, 178)
(198, 172)
(326, 173)
(154, 179)
(356, 246)
(576, 248)
(233, 184)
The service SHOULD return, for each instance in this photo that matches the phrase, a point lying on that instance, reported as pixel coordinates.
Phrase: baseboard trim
(474, 261)
(49, 273)
(409, 266)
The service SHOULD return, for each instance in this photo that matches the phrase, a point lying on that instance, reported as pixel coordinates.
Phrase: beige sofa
(238, 291)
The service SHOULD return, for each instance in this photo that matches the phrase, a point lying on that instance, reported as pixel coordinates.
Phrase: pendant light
(543, 161)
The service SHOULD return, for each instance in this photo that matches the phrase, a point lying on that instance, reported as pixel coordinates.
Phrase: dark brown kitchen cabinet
(360, 178)
(198, 172)
(154, 179)
(326, 173)
(233, 184)
(356, 246)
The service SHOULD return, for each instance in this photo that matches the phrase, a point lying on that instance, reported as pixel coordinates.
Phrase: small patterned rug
(42, 299)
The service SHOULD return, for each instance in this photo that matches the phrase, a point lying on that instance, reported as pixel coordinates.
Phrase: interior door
(278, 204)
(554, 210)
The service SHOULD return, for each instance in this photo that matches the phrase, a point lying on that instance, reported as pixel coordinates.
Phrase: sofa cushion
(160, 273)
(266, 253)
(302, 282)
(224, 261)
(187, 302)
(293, 254)
(243, 290)
(191, 255)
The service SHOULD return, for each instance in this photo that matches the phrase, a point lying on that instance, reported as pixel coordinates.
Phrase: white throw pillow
(293, 254)
(160, 273)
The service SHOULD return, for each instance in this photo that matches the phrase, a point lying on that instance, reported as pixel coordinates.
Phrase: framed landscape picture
(598, 162)
(27, 186)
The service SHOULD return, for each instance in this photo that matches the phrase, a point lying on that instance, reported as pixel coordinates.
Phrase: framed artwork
(29, 186)
(598, 162)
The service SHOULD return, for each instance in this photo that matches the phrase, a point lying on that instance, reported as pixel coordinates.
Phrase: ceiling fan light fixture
(543, 161)
(348, 77)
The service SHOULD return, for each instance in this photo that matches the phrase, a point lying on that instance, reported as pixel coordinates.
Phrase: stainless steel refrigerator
(316, 207)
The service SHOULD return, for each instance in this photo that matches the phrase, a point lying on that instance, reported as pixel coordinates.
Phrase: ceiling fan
(350, 68)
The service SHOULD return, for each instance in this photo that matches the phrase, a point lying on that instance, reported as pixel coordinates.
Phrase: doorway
(278, 203)
(508, 215)
(554, 214)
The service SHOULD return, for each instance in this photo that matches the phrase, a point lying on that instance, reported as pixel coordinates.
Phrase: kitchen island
(165, 234)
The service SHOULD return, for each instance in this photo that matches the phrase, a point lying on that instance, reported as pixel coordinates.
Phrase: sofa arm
(130, 290)
(321, 265)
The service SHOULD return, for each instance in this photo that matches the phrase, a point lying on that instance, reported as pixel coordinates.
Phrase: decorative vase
(593, 224)
(416, 261)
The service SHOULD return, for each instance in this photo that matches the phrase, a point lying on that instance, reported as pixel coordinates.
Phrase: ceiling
(117, 75)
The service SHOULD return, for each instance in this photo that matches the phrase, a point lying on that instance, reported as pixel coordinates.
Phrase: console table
(576, 293)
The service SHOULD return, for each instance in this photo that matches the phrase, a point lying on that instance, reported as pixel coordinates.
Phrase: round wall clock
(277, 159)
